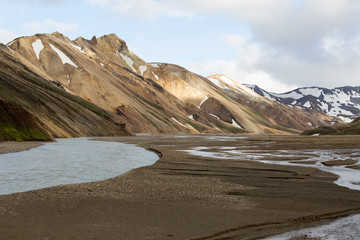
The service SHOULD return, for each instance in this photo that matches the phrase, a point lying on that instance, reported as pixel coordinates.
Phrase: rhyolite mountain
(33, 107)
(155, 97)
(340, 102)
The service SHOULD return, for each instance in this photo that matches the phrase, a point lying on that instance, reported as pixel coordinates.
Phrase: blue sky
(277, 44)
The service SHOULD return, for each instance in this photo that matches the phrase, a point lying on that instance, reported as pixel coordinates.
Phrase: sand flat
(187, 197)
(9, 147)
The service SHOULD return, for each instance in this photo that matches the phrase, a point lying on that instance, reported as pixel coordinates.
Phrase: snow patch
(156, 76)
(235, 124)
(77, 47)
(174, 119)
(128, 60)
(311, 91)
(307, 104)
(203, 101)
(217, 83)
(228, 81)
(248, 91)
(142, 70)
(10, 43)
(241, 89)
(37, 46)
(62, 56)
(102, 64)
(267, 95)
(191, 117)
(291, 94)
(214, 116)
(155, 65)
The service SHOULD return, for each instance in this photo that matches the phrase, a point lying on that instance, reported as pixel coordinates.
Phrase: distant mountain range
(340, 102)
(95, 87)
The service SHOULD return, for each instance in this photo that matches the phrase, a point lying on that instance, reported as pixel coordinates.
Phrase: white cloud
(315, 43)
(50, 25)
(6, 36)
(147, 9)
(293, 43)
(239, 73)
(275, 70)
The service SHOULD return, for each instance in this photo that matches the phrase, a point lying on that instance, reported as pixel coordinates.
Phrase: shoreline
(186, 197)
(11, 147)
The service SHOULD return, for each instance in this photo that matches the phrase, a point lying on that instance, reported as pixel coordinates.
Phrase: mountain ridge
(56, 112)
(340, 102)
(155, 97)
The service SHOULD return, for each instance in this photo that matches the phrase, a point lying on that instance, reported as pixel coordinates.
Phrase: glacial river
(68, 161)
(349, 177)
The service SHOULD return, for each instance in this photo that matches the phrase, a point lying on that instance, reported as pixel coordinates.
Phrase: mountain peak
(223, 81)
(113, 41)
(340, 102)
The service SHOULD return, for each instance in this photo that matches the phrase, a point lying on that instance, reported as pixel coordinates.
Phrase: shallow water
(68, 161)
(345, 228)
(348, 177)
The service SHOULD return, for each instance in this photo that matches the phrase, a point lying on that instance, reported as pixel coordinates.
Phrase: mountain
(18, 124)
(156, 97)
(340, 102)
(33, 107)
(352, 128)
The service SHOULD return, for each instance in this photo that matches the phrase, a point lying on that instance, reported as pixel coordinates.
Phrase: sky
(277, 44)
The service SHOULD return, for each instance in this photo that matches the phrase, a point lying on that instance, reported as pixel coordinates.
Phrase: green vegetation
(17, 133)
(159, 117)
(149, 120)
(48, 86)
(285, 129)
(223, 95)
(227, 128)
(352, 128)
(258, 114)
(155, 105)
(198, 127)
(17, 124)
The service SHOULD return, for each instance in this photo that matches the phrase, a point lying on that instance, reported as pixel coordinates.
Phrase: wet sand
(9, 147)
(187, 197)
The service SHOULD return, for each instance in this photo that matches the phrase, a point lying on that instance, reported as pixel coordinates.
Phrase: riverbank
(188, 197)
(10, 147)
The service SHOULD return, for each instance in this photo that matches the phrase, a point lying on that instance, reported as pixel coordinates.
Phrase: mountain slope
(105, 72)
(46, 106)
(352, 128)
(269, 110)
(17, 124)
(341, 102)
(158, 97)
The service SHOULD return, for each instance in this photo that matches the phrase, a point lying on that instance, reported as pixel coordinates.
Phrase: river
(347, 167)
(67, 161)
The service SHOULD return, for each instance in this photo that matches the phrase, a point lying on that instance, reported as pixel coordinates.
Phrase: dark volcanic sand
(187, 197)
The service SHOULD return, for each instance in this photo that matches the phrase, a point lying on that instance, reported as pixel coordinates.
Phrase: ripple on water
(68, 161)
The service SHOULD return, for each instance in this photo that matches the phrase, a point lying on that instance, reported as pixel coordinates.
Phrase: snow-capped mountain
(341, 102)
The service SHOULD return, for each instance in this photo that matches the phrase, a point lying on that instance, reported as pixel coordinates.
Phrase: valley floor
(188, 197)
(9, 147)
